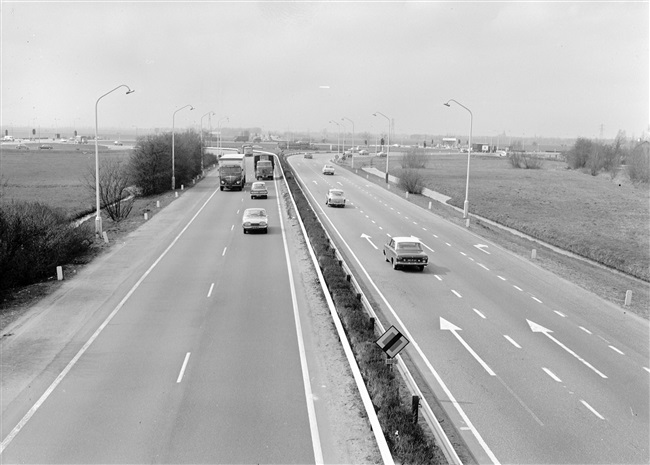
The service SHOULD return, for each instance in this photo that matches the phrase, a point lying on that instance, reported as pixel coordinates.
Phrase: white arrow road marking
(536, 328)
(480, 247)
(446, 325)
(367, 237)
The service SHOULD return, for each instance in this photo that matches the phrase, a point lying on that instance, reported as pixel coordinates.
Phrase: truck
(232, 171)
(247, 150)
(264, 164)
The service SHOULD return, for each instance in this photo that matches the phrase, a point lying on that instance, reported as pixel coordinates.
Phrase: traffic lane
(382, 287)
(157, 312)
(244, 399)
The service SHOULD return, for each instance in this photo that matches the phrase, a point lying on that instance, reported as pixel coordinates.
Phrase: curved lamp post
(387, 145)
(338, 139)
(469, 152)
(208, 113)
(174, 164)
(353, 140)
(98, 217)
(219, 140)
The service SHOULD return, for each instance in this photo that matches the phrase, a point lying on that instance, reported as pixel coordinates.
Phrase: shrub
(638, 163)
(414, 159)
(412, 181)
(578, 155)
(34, 240)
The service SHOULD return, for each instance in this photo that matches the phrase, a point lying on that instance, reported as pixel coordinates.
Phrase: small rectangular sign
(392, 341)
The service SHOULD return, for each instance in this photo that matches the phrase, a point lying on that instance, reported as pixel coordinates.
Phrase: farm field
(55, 177)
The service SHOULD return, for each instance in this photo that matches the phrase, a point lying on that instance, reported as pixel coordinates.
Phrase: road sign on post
(392, 341)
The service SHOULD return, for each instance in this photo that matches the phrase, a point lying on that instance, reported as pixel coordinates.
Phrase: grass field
(599, 218)
(55, 177)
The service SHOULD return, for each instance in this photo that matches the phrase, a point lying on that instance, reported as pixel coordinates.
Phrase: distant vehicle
(259, 190)
(263, 164)
(8, 139)
(22, 147)
(308, 156)
(328, 169)
(45, 147)
(232, 171)
(247, 150)
(255, 219)
(118, 142)
(381, 154)
(363, 152)
(405, 252)
(502, 152)
(335, 198)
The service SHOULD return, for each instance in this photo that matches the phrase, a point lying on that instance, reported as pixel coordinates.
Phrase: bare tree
(115, 194)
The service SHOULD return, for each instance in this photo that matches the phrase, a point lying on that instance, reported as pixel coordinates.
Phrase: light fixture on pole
(469, 152)
(219, 136)
(202, 149)
(173, 160)
(338, 138)
(353, 140)
(345, 130)
(98, 217)
(388, 144)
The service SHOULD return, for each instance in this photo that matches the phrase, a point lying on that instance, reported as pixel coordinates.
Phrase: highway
(531, 368)
(196, 356)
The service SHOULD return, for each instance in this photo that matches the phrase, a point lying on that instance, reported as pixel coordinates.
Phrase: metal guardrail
(432, 421)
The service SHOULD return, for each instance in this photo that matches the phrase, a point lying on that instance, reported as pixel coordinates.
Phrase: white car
(255, 219)
(335, 198)
(363, 152)
(328, 169)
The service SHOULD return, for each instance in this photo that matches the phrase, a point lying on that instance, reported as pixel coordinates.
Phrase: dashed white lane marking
(512, 341)
(457, 294)
(210, 291)
(428, 247)
(646, 369)
(463, 254)
(448, 244)
(585, 330)
(438, 277)
(616, 350)
(592, 409)
(479, 313)
(501, 278)
(536, 299)
(224, 251)
(518, 288)
(560, 313)
(180, 375)
(551, 374)
(483, 266)
(232, 227)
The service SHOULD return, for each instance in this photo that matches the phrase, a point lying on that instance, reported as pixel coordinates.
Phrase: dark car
(259, 190)
(405, 252)
(45, 147)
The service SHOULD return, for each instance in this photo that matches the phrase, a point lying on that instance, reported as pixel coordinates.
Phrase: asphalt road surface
(530, 368)
(195, 356)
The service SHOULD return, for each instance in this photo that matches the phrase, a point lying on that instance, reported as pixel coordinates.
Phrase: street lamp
(469, 152)
(345, 130)
(388, 145)
(338, 137)
(98, 217)
(174, 164)
(352, 128)
(219, 139)
(208, 113)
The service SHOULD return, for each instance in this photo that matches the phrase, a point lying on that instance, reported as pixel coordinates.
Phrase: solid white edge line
(414, 344)
(6, 441)
(309, 397)
(363, 392)
(180, 375)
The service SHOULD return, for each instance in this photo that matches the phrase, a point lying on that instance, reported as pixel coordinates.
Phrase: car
(118, 142)
(335, 198)
(328, 169)
(22, 147)
(308, 156)
(255, 219)
(381, 154)
(405, 252)
(45, 147)
(258, 189)
(363, 152)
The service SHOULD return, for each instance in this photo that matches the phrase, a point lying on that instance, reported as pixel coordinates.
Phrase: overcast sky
(562, 69)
